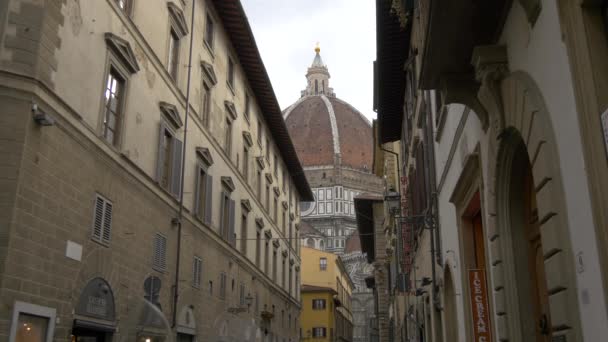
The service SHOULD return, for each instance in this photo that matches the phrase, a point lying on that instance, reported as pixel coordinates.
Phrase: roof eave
(237, 26)
(392, 51)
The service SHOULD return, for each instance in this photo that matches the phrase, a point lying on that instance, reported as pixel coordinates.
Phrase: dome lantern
(318, 77)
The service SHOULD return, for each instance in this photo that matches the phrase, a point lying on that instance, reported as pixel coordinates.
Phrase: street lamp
(393, 201)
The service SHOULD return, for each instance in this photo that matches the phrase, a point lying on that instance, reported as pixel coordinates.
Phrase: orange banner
(479, 306)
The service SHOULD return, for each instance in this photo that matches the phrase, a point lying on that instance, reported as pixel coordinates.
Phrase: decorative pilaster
(490, 63)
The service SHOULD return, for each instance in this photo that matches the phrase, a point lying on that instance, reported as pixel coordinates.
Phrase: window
(113, 97)
(267, 150)
(318, 304)
(244, 234)
(274, 265)
(319, 332)
(267, 256)
(276, 210)
(259, 133)
(197, 269)
(228, 137)
(227, 217)
(206, 105)
(222, 285)
(283, 272)
(246, 163)
(102, 221)
(267, 197)
(32, 323)
(258, 248)
(209, 31)
(203, 191)
(169, 160)
(259, 185)
(173, 63)
(276, 164)
(316, 87)
(323, 264)
(242, 295)
(159, 261)
(230, 76)
(247, 105)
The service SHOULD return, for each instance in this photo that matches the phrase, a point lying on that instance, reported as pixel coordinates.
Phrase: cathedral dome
(326, 130)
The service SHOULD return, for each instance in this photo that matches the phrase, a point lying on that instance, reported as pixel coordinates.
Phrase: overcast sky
(286, 32)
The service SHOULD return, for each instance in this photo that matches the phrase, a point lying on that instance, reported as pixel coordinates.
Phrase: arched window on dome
(316, 87)
(323, 87)
(321, 245)
(310, 242)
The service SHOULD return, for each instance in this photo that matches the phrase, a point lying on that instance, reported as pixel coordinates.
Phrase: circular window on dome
(306, 208)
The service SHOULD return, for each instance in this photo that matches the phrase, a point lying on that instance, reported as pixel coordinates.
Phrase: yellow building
(326, 297)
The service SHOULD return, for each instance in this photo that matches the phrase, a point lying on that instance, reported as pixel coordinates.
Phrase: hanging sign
(479, 306)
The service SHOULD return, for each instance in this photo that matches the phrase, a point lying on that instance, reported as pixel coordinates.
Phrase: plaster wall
(451, 150)
(540, 52)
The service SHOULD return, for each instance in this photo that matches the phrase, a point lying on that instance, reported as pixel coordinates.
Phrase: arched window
(316, 87)
(310, 242)
(321, 245)
(323, 87)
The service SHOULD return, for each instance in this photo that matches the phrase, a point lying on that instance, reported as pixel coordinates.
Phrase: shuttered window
(203, 195)
(223, 285)
(102, 220)
(159, 261)
(169, 161)
(227, 212)
(197, 270)
(242, 295)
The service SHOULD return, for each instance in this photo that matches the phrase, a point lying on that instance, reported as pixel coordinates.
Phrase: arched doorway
(520, 214)
(531, 259)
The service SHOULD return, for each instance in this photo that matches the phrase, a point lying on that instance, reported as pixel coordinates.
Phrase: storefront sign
(96, 300)
(479, 306)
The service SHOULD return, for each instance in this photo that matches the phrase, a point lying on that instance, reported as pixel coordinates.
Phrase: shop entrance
(88, 335)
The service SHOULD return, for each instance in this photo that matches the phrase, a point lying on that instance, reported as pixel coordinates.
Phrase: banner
(482, 331)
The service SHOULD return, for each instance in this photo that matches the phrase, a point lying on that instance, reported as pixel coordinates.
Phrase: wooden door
(536, 264)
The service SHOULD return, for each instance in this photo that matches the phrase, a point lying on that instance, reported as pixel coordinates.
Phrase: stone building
(334, 142)
(95, 167)
(498, 115)
(326, 297)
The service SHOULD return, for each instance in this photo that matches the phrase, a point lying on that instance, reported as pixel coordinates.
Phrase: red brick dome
(328, 131)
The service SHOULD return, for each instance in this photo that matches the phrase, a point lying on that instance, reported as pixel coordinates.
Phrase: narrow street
(303, 171)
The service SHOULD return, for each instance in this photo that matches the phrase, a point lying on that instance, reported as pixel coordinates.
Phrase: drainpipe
(180, 212)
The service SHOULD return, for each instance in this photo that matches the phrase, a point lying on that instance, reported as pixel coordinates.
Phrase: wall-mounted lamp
(41, 117)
